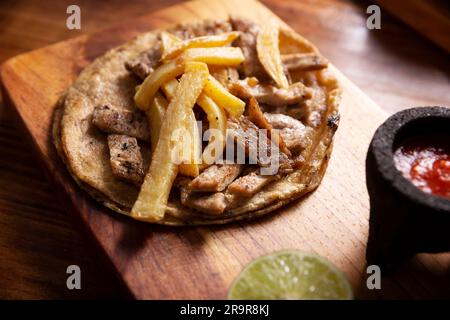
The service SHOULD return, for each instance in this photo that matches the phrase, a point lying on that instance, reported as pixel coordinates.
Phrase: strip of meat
(139, 68)
(296, 139)
(216, 177)
(295, 134)
(257, 146)
(212, 204)
(271, 95)
(282, 121)
(245, 134)
(146, 61)
(205, 28)
(304, 61)
(247, 42)
(257, 117)
(250, 184)
(130, 123)
(126, 159)
(209, 203)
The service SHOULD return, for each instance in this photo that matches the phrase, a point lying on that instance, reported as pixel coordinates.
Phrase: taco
(197, 91)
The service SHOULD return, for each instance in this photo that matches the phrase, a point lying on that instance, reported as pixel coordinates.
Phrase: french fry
(191, 169)
(188, 169)
(224, 99)
(269, 53)
(155, 116)
(224, 56)
(216, 116)
(152, 199)
(151, 84)
(290, 42)
(217, 119)
(169, 88)
(201, 42)
(168, 42)
(218, 122)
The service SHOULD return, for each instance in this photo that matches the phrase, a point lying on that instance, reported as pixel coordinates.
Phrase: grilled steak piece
(143, 65)
(250, 184)
(209, 203)
(282, 121)
(257, 146)
(269, 94)
(207, 28)
(295, 134)
(216, 177)
(126, 159)
(130, 123)
(139, 68)
(245, 134)
(247, 42)
(304, 61)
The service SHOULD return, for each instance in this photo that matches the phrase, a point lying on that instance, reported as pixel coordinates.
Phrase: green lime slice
(290, 274)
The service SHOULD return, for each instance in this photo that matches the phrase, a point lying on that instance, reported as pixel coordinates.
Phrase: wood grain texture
(394, 66)
(38, 239)
(161, 262)
(431, 18)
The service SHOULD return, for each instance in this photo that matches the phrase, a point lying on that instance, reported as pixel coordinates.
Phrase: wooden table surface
(396, 67)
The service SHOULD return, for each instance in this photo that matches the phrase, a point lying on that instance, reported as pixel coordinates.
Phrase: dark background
(395, 66)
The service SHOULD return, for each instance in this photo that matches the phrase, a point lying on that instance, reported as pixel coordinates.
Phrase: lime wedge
(290, 274)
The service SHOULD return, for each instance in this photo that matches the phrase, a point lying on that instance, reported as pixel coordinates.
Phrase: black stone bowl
(403, 219)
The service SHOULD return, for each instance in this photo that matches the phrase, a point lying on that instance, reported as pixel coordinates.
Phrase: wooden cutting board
(200, 263)
(431, 18)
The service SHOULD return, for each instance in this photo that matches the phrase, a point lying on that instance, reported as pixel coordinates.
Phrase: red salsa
(425, 161)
